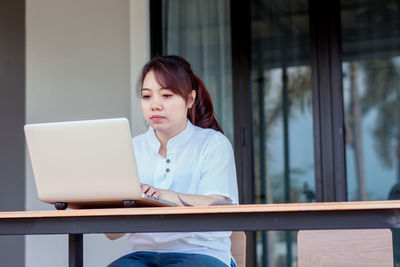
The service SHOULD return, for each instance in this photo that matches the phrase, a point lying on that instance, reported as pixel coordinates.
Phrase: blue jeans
(155, 259)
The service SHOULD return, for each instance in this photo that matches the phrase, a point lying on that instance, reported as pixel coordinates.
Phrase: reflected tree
(354, 133)
(270, 106)
(382, 94)
(374, 87)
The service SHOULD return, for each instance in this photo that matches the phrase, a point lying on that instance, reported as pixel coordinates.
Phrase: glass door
(371, 95)
(371, 85)
(282, 112)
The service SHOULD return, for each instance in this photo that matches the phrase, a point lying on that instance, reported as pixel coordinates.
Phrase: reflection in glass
(282, 112)
(200, 32)
(371, 91)
(372, 104)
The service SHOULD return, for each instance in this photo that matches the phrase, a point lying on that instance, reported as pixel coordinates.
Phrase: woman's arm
(193, 200)
(177, 198)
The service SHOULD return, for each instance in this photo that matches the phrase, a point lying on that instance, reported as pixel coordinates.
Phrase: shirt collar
(174, 142)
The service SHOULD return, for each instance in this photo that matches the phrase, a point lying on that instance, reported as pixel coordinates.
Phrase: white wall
(83, 57)
(140, 54)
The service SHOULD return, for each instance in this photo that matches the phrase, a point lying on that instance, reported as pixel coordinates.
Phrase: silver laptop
(86, 164)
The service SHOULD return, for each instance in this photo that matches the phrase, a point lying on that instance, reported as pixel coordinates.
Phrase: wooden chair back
(238, 248)
(370, 247)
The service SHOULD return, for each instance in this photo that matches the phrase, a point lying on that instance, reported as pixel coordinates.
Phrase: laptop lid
(84, 163)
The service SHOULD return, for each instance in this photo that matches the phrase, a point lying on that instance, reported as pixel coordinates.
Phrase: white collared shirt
(199, 161)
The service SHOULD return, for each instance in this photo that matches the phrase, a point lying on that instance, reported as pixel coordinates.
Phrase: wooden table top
(251, 208)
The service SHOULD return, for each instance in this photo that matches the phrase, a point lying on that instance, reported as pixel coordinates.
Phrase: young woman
(184, 158)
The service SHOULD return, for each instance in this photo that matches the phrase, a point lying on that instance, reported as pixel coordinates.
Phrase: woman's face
(164, 111)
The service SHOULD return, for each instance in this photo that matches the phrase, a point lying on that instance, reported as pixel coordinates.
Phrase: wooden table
(299, 216)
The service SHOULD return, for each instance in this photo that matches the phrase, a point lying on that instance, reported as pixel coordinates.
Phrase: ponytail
(202, 112)
(175, 73)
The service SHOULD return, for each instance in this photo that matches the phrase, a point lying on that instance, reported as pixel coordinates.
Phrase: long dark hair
(176, 74)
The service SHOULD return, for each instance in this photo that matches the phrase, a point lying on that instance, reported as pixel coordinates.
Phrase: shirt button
(167, 170)
(168, 161)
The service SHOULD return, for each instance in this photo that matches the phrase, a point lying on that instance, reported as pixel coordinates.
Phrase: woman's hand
(150, 190)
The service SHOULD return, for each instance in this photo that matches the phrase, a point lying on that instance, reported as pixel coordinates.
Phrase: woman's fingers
(156, 192)
(149, 190)
(152, 192)
(144, 187)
